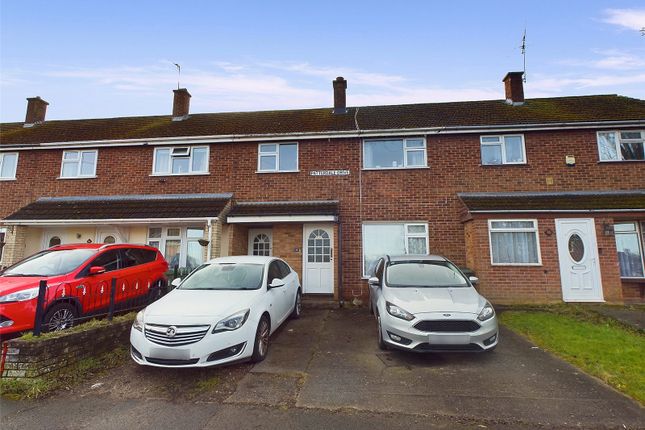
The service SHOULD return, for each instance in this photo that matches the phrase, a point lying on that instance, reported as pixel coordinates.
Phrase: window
(185, 160)
(109, 260)
(621, 146)
(8, 165)
(180, 246)
(54, 241)
(135, 256)
(514, 242)
(278, 157)
(261, 245)
(285, 270)
(274, 272)
(392, 239)
(319, 247)
(629, 244)
(79, 164)
(497, 150)
(394, 153)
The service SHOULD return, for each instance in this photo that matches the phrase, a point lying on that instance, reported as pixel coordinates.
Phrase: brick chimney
(36, 110)
(340, 97)
(514, 88)
(180, 104)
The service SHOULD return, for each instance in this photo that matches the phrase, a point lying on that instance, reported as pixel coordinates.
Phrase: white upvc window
(626, 145)
(179, 245)
(514, 242)
(8, 165)
(630, 243)
(180, 160)
(79, 164)
(503, 149)
(394, 153)
(392, 238)
(278, 157)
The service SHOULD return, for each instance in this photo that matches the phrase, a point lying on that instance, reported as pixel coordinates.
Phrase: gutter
(189, 140)
(102, 221)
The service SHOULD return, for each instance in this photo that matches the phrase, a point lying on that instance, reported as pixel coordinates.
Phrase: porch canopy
(562, 202)
(284, 211)
(120, 209)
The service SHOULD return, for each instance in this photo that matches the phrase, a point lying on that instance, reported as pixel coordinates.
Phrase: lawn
(599, 346)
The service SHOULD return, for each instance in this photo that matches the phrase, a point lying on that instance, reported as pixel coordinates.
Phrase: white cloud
(633, 19)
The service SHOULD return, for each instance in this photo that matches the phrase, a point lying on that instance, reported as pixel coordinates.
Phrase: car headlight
(486, 313)
(232, 322)
(138, 322)
(20, 296)
(398, 312)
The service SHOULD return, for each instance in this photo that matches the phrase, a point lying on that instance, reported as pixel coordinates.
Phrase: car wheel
(381, 343)
(59, 317)
(157, 291)
(261, 345)
(297, 307)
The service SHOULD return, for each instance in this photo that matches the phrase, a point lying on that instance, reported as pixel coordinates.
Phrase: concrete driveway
(329, 359)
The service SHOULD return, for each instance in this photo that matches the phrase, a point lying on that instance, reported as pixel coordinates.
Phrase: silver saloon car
(426, 304)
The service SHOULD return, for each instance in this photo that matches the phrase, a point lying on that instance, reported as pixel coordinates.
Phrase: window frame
(183, 240)
(15, 167)
(190, 172)
(618, 141)
(502, 143)
(79, 162)
(640, 235)
(406, 149)
(406, 235)
(276, 154)
(535, 229)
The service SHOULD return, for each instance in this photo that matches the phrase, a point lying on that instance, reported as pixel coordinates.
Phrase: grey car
(425, 303)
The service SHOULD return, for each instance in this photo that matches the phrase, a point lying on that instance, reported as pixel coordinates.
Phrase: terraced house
(544, 199)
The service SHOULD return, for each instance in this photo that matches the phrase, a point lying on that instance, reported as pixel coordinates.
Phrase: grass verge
(600, 346)
(84, 326)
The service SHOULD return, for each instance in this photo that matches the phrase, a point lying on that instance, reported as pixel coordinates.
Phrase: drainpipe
(209, 222)
(340, 262)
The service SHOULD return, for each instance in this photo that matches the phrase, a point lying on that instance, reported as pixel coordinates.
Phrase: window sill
(396, 168)
(163, 175)
(277, 171)
(516, 264)
(504, 165)
(620, 161)
(77, 177)
(7, 179)
(635, 280)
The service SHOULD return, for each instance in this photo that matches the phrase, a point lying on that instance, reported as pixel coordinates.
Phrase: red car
(79, 281)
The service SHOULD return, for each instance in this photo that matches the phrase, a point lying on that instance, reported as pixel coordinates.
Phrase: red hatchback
(79, 283)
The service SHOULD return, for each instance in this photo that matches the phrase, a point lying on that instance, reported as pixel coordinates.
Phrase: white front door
(260, 241)
(108, 236)
(318, 259)
(578, 253)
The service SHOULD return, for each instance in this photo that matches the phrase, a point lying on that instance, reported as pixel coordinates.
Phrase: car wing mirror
(473, 280)
(276, 283)
(175, 282)
(374, 281)
(97, 270)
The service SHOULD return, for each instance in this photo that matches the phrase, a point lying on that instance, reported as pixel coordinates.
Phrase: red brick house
(543, 198)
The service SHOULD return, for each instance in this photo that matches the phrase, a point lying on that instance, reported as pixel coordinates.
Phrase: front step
(319, 302)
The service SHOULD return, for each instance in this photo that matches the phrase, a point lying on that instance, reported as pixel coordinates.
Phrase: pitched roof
(123, 207)
(410, 116)
(314, 207)
(633, 200)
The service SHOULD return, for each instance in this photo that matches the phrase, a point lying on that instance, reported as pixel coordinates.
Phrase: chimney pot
(36, 110)
(514, 88)
(181, 104)
(340, 96)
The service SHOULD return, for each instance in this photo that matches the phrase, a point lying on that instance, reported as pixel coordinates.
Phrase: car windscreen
(225, 276)
(51, 263)
(428, 274)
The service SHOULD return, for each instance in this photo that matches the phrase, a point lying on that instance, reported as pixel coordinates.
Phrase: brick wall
(37, 357)
(395, 195)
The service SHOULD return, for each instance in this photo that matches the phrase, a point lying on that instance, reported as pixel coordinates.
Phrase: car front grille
(426, 347)
(447, 326)
(167, 362)
(183, 334)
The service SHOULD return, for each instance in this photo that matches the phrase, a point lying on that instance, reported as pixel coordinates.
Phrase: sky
(96, 59)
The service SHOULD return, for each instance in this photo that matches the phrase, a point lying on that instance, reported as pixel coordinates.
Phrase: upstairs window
(79, 164)
(8, 164)
(497, 150)
(621, 145)
(394, 153)
(183, 160)
(278, 157)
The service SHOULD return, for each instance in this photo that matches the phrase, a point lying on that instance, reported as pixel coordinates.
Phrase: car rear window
(51, 263)
(427, 274)
(137, 256)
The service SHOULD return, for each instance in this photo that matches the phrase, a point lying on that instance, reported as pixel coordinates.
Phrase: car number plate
(170, 354)
(449, 339)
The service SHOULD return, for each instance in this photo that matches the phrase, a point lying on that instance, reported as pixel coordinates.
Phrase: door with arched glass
(260, 242)
(318, 256)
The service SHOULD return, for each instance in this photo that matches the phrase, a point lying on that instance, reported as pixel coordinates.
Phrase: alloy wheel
(263, 340)
(60, 320)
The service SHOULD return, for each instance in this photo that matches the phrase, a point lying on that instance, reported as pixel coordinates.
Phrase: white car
(224, 311)
(425, 304)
